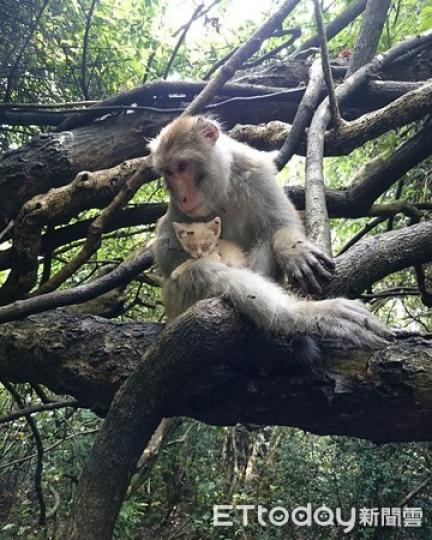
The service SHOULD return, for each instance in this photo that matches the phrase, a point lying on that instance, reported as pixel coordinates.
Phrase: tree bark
(213, 366)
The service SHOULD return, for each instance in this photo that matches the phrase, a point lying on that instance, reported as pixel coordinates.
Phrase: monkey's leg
(301, 259)
(271, 308)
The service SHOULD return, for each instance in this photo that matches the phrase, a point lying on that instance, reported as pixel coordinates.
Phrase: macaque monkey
(209, 174)
(202, 239)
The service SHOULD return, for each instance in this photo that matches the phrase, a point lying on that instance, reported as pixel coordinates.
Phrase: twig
(415, 491)
(53, 511)
(182, 37)
(14, 67)
(64, 104)
(8, 228)
(218, 64)
(296, 32)
(390, 293)
(89, 16)
(203, 12)
(368, 227)
(39, 450)
(328, 77)
(425, 293)
(303, 115)
(47, 449)
(239, 57)
(39, 408)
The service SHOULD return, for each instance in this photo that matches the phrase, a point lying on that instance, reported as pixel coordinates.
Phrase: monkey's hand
(301, 260)
(347, 321)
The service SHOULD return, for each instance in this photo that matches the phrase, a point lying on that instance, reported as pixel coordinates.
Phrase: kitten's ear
(179, 229)
(215, 225)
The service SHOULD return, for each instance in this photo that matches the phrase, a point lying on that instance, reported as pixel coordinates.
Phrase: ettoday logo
(224, 515)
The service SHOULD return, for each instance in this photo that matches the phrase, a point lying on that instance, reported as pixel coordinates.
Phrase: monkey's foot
(347, 321)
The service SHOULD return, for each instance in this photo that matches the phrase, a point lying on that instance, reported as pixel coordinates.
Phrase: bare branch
(143, 175)
(195, 15)
(296, 32)
(328, 77)
(303, 116)
(371, 259)
(88, 19)
(39, 408)
(370, 32)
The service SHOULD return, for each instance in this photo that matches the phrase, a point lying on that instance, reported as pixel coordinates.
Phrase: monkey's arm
(272, 309)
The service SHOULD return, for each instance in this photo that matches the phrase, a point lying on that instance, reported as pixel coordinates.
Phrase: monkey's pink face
(181, 179)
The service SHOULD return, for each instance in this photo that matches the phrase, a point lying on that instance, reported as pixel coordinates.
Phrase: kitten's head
(198, 239)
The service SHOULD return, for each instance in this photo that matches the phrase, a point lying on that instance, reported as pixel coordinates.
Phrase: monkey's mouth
(194, 210)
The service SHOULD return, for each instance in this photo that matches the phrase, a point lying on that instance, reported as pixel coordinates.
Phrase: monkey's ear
(209, 130)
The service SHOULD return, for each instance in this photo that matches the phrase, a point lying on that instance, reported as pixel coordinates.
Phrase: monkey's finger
(310, 278)
(326, 259)
(298, 277)
(318, 268)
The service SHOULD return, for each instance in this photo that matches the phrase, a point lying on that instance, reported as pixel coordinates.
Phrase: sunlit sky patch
(237, 13)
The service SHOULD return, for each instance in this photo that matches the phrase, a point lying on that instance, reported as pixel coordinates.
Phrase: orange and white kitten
(202, 239)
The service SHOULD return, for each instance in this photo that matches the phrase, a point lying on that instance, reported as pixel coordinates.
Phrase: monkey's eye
(182, 166)
(168, 173)
(190, 233)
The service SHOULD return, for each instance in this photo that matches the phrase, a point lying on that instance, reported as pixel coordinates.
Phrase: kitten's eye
(182, 166)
